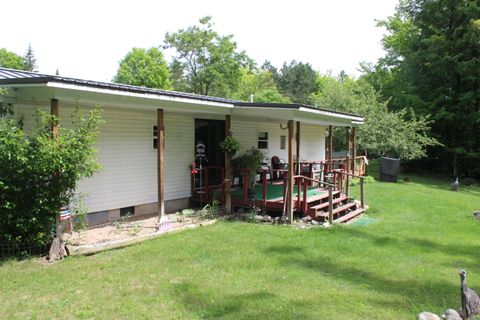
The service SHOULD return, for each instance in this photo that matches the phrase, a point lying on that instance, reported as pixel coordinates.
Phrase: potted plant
(251, 160)
(230, 145)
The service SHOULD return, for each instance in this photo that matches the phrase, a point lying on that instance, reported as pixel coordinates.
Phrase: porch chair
(277, 164)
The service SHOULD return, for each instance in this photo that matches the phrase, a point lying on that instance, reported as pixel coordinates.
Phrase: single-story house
(137, 173)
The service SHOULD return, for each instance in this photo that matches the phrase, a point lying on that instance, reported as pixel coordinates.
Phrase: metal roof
(12, 77)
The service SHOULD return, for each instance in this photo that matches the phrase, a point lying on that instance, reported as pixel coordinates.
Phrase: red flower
(194, 171)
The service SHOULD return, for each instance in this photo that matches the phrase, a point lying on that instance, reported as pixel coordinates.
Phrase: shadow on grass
(208, 306)
(418, 291)
(457, 249)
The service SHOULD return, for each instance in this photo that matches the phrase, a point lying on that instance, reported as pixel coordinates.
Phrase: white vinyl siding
(129, 163)
(312, 146)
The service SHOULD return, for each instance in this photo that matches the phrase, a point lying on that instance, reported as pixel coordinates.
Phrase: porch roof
(44, 87)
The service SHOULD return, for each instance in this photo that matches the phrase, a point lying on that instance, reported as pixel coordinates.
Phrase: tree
(296, 80)
(147, 68)
(432, 66)
(39, 174)
(11, 60)
(205, 62)
(385, 133)
(29, 59)
(261, 85)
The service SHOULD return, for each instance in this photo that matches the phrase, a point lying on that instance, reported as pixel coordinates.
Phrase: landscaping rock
(314, 222)
(259, 218)
(451, 314)
(427, 316)
(267, 218)
(307, 219)
(276, 220)
(476, 214)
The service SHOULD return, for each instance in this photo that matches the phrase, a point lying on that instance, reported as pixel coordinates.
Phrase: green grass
(405, 263)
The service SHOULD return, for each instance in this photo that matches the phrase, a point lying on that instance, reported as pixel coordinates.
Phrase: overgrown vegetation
(38, 174)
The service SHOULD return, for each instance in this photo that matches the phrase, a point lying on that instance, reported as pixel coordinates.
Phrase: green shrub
(38, 174)
(356, 181)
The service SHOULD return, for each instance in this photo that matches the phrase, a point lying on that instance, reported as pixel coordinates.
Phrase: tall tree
(399, 134)
(297, 80)
(259, 85)
(11, 60)
(205, 62)
(147, 68)
(29, 59)
(432, 65)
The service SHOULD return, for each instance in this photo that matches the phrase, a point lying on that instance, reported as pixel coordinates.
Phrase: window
(127, 211)
(283, 142)
(263, 140)
(155, 137)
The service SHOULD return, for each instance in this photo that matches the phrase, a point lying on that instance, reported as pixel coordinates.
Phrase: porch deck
(310, 196)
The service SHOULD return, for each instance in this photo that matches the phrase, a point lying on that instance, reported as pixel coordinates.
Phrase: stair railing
(362, 181)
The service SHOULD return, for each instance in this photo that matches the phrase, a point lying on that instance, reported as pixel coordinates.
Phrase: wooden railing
(206, 189)
(339, 176)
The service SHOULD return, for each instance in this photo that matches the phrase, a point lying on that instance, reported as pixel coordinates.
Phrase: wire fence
(22, 250)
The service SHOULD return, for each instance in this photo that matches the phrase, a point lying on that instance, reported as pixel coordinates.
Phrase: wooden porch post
(297, 136)
(354, 151)
(330, 148)
(160, 162)
(347, 164)
(289, 199)
(347, 152)
(228, 172)
(54, 111)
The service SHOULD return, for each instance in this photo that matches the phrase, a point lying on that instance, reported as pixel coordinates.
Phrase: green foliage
(261, 84)
(296, 80)
(251, 159)
(432, 66)
(367, 179)
(38, 174)
(29, 60)
(147, 68)
(205, 62)
(399, 134)
(230, 145)
(11, 60)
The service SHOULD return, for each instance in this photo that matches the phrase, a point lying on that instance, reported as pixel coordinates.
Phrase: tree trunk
(58, 250)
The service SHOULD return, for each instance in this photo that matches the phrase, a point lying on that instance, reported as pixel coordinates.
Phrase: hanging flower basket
(230, 146)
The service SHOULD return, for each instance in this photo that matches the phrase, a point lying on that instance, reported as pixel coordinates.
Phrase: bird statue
(451, 314)
(470, 299)
(454, 185)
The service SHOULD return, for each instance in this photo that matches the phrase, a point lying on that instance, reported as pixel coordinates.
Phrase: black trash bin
(389, 168)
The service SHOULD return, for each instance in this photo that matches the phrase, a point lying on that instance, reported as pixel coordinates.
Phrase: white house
(133, 173)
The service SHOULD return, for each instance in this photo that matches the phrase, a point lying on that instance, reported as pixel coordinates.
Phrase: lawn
(405, 263)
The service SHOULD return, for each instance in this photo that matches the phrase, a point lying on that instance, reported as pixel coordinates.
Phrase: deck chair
(277, 164)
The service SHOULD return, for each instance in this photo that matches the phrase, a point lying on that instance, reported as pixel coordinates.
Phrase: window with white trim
(263, 140)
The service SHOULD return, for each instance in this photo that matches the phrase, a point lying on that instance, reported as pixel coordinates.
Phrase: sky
(87, 39)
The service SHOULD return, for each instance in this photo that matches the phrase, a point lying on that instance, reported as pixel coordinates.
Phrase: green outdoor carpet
(274, 191)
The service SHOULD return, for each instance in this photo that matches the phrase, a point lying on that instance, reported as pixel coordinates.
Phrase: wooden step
(338, 210)
(310, 199)
(320, 197)
(349, 216)
(325, 204)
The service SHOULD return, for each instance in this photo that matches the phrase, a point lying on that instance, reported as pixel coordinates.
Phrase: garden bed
(127, 230)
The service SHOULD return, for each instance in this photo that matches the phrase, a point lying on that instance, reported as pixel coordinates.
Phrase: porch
(323, 192)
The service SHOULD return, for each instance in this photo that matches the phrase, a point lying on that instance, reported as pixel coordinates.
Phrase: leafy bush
(356, 181)
(39, 174)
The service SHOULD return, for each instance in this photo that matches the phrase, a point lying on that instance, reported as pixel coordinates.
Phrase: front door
(210, 133)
